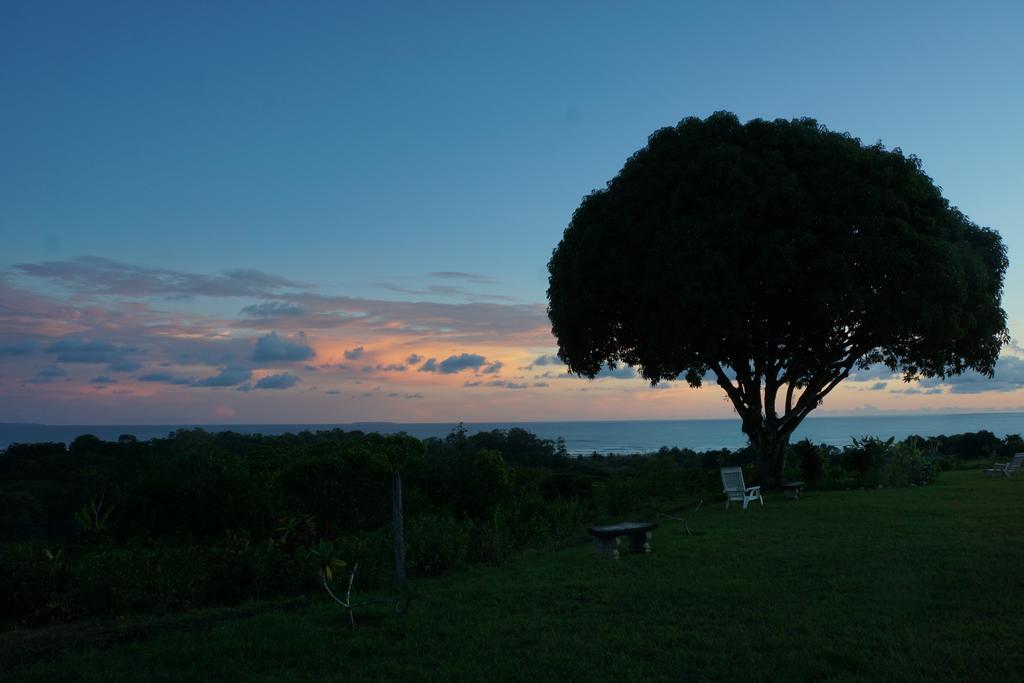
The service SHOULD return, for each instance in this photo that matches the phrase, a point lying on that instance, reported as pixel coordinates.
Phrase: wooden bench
(793, 489)
(606, 538)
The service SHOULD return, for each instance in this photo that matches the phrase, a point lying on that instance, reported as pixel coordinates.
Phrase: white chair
(1006, 468)
(734, 488)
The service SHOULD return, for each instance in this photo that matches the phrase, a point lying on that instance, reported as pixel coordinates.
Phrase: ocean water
(608, 437)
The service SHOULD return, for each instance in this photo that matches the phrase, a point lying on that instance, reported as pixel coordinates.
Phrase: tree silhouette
(773, 258)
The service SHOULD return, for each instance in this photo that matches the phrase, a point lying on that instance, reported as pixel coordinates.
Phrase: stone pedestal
(607, 538)
(606, 548)
(793, 489)
(640, 542)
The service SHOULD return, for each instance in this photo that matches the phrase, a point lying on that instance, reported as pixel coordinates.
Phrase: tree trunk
(398, 539)
(770, 450)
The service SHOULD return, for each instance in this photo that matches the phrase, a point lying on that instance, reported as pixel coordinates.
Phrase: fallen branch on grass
(686, 526)
(399, 604)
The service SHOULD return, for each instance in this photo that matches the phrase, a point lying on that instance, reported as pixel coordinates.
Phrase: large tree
(774, 257)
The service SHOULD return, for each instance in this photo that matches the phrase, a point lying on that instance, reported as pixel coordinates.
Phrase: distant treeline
(114, 527)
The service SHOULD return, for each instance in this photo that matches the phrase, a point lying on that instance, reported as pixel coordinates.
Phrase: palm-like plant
(324, 555)
(93, 517)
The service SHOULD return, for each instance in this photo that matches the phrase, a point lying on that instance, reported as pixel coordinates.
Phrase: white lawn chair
(734, 488)
(1006, 468)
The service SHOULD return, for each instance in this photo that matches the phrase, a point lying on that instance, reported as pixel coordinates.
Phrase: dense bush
(873, 462)
(436, 544)
(345, 490)
(112, 528)
(369, 550)
(811, 462)
(119, 581)
(906, 464)
(34, 580)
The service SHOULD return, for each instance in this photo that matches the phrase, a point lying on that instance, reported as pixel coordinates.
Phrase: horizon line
(879, 414)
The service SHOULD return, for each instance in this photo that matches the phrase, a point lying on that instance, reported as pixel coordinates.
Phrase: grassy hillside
(895, 584)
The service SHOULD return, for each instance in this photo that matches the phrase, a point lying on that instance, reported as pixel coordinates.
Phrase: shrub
(243, 570)
(121, 581)
(621, 494)
(567, 486)
(346, 490)
(372, 551)
(196, 493)
(34, 579)
(907, 465)
(436, 544)
(866, 457)
(527, 521)
(809, 457)
(1012, 445)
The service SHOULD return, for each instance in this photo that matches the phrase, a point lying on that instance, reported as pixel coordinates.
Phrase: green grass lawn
(911, 584)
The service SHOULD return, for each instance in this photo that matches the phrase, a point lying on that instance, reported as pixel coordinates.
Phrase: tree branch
(816, 390)
(734, 394)
(771, 390)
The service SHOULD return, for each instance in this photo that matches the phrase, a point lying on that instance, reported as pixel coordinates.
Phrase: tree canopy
(774, 257)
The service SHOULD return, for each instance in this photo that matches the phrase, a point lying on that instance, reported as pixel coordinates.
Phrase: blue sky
(359, 149)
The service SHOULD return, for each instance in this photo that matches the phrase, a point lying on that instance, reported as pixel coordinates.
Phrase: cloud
(547, 360)
(492, 322)
(22, 348)
(97, 275)
(463, 361)
(454, 285)
(198, 337)
(506, 384)
(457, 275)
(354, 354)
(228, 377)
(165, 378)
(621, 372)
(205, 349)
(273, 309)
(73, 350)
(541, 384)
(1009, 376)
(442, 291)
(48, 374)
(103, 379)
(414, 396)
(413, 359)
(494, 368)
(332, 392)
(877, 371)
(273, 348)
(474, 383)
(918, 390)
(878, 386)
(429, 365)
(124, 366)
(283, 381)
(390, 368)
